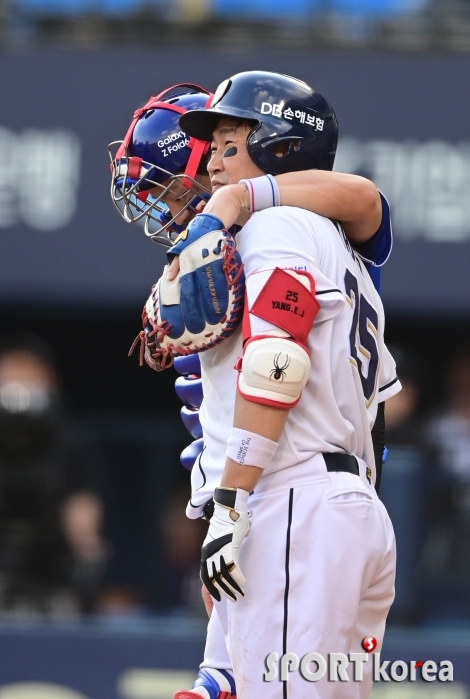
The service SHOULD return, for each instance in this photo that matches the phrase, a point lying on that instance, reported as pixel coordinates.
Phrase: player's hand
(220, 571)
(174, 268)
(228, 202)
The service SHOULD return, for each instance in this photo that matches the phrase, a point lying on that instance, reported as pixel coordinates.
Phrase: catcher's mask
(155, 152)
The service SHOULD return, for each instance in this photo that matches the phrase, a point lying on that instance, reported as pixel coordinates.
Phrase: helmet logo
(302, 115)
(172, 137)
(274, 109)
(173, 143)
(221, 91)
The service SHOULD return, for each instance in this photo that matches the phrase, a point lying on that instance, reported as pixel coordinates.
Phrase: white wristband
(250, 448)
(263, 192)
(241, 502)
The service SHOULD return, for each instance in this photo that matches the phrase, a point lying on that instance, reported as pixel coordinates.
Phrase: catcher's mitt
(203, 305)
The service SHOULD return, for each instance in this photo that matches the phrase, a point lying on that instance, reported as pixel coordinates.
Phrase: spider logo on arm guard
(279, 372)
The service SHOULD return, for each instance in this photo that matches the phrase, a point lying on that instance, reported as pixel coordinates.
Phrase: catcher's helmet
(156, 150)
(283, 110)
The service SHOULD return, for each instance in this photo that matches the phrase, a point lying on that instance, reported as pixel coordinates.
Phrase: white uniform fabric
(332, 414)
(320, 557)
(324, 598)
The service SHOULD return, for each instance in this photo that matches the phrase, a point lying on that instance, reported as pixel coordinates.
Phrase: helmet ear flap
(284, 146)
(274, 155)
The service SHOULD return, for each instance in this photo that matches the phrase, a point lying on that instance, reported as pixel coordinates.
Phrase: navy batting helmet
(284, 111)
(155, 151)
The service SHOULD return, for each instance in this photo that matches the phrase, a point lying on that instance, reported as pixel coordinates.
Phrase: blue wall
(403, 121)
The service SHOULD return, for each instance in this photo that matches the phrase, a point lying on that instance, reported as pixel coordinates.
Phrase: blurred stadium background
(98, 566)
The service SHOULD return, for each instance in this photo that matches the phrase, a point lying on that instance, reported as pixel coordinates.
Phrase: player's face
(230, 161)
(178, 196)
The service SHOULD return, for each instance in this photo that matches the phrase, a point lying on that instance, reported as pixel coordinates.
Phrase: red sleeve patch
(285, 302)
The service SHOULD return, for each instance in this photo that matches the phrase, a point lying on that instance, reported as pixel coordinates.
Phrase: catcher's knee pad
(280, 307)
(189, 455)
(190, 419)
(189, 390)
(189, 364)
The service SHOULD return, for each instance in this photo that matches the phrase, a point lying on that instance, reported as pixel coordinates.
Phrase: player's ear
(281, 150)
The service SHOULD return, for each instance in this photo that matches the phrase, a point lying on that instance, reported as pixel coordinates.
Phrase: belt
(335, 461)
(341, 462)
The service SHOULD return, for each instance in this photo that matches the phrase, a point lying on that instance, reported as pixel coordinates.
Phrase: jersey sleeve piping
(387, 385)
(389, 390)
(328, 291)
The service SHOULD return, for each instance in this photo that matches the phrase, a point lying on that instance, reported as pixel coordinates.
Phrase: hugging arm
(352, 200)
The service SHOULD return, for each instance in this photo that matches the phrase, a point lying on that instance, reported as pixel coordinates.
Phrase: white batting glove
(220, 571)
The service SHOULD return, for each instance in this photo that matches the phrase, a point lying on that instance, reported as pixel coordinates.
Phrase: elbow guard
(280, 308)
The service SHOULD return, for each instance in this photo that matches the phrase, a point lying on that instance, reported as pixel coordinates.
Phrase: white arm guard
(274, 370)
(279, 313)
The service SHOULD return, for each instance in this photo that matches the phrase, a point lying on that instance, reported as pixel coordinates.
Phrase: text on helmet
(172, 137)
(301, 116)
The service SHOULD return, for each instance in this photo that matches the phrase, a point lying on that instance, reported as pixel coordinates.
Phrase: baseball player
(316, 192)
(299, 541)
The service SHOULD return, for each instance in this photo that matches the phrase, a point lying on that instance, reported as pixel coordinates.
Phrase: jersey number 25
(363, 337)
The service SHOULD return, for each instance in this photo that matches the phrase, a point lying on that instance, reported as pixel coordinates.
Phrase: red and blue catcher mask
(155, 151)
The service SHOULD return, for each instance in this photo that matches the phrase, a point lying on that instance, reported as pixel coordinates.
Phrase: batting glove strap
(220, 571)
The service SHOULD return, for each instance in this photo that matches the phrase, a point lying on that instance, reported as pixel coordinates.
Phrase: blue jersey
(376, 251)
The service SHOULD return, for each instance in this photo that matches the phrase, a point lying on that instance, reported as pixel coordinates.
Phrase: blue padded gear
(196, 307)
(196, 304)
(384, 455)
(190, 419)
(190, 454)
(205, 679)
(199, 226)
(189, 390)
(190, 364)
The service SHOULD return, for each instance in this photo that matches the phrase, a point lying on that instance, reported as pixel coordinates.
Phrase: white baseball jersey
(351, 368)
